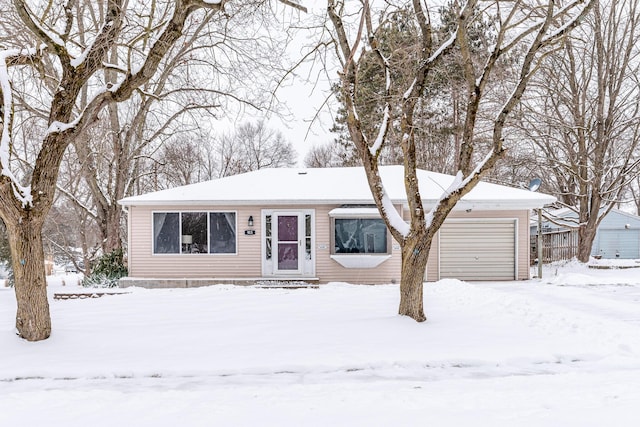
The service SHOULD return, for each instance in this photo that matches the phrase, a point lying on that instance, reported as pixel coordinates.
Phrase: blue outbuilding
(618, 235)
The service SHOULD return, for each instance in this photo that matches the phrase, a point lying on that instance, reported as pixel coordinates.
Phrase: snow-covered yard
(564, 351)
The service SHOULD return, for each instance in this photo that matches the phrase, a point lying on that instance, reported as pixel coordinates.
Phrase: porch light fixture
(250, 221)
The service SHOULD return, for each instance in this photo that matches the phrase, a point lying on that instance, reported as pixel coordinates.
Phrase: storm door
(288, 243)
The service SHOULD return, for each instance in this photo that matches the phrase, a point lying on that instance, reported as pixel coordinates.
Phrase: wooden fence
(556, 246)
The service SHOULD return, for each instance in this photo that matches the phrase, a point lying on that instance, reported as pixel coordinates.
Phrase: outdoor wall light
(250, 221)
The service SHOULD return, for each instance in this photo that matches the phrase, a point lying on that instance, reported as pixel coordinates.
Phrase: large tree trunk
(415, 254)
(33, 321)
(586, 236)
(113, 234)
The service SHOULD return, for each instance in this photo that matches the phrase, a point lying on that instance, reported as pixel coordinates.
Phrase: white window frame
(180, 212)
(362, 259)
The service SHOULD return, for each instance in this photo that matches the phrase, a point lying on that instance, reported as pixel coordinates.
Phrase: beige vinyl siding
(143, 263)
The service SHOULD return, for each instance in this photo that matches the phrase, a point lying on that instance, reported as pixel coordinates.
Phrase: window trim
(180, 212)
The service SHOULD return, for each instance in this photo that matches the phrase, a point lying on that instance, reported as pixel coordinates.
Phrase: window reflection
(194, 232)
(359, 235)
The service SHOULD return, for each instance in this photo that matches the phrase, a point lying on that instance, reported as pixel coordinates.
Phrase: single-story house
(618, 235)
(318, 225)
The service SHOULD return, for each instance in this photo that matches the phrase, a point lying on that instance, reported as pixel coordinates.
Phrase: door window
(287, 242)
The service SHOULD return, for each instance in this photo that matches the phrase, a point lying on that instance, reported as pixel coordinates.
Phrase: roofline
(125, 202)
(428, 204)
(567, 211)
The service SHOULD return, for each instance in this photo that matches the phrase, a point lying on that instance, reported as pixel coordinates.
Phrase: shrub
(109, 268)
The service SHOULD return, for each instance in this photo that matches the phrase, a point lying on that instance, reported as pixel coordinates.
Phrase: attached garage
(478, 250)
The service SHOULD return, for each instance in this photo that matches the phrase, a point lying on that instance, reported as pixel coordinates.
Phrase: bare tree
(634, 190)
(71, 223)
(323, 156)
(178, 100)
(59, 50)
(583, 119)
(253, 146)
(530, 28)
(185, 161)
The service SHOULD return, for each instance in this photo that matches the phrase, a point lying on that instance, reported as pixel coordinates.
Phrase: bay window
(360, 236)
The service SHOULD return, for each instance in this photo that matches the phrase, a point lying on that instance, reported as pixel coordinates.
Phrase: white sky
(304, 93)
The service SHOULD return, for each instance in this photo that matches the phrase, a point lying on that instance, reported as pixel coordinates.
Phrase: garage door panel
(478, 250)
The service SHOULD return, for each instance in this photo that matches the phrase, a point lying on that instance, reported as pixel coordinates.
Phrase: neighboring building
(618, 235)
(318, 225)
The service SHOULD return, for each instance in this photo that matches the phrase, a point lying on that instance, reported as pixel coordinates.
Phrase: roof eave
(282, 202)
(461, 205)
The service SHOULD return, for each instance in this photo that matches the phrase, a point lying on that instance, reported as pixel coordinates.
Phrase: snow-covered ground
(561, 351)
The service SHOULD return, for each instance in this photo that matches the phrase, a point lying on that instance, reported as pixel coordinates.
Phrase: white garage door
(478, 250)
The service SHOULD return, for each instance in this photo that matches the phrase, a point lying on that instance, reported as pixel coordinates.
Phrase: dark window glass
(360, 236)
(166, 233)
(194, 233)
(307, 234)
(287, 228)
(267, 232)
(222, 232)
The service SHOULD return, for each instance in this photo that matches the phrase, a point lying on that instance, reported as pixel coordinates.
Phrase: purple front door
(288, 243)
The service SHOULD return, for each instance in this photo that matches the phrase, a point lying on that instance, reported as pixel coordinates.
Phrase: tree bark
(415, 254)
(113, 239)
(586, 236)
(33, 321)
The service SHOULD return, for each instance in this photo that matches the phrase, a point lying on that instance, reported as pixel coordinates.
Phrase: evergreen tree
(438, 120)
(5, 253)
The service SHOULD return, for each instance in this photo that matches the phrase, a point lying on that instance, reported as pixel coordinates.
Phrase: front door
(287, 247)
(288, 243)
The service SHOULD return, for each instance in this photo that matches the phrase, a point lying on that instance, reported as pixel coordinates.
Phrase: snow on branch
(461, 185)
(581, 8)
(79, 60)
(59, 127)
(448, 44)
(48, 37)
(394, 218)
(386, 119)
(567, 26)
(23, 194)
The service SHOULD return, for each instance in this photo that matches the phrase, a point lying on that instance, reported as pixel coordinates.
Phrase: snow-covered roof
(294, 186)
(568, 217)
